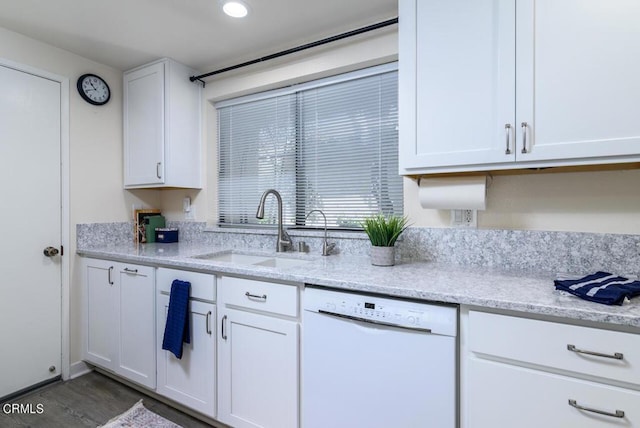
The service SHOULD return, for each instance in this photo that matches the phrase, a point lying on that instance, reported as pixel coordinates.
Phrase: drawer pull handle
(109, 278)
(524, 137)
(254, 296)
(208, 323)
(127, 270)
(224, 321)
(507, 128)
(617, 414)
(615, 356)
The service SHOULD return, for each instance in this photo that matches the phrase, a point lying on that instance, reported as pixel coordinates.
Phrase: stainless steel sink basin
(247, 259)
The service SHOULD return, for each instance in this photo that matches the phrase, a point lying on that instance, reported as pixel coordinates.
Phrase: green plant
(384, 231)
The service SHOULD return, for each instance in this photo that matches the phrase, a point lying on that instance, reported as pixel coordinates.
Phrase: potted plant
(383, 231)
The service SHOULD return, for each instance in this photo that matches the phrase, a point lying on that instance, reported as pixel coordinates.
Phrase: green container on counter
(150, 225)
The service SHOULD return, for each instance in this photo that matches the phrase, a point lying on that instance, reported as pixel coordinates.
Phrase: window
(331, 145)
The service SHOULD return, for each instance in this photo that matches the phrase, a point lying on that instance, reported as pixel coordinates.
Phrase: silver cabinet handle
(524, 137)
(253, 296)
(110, 271)
(507, 128)
(127, 270)
(158, 170)
(615, 356)
(617, 414)
(208, 323)
(224, 321)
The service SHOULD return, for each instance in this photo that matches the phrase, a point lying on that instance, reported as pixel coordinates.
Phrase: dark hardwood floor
(87, 401)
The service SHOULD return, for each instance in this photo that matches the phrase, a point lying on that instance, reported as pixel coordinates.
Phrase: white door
(458, 73)
(30, 191)
(101, 340)
(257, 371)
(190, 380)
(578, 63)
(136, 308)
(144, 126)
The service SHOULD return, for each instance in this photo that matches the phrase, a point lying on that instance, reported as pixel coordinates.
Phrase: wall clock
(93, 89)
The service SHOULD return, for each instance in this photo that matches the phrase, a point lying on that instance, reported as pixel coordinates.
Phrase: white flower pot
(383, 256)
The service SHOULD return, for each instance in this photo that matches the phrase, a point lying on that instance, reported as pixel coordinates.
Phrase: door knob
(50, 251)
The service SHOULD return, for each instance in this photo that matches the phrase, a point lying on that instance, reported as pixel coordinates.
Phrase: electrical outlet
(464, 218)
(191, 214)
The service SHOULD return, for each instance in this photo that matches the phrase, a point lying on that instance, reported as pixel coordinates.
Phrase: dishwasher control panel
(389, 311)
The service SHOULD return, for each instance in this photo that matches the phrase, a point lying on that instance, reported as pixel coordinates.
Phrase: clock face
(93, 89)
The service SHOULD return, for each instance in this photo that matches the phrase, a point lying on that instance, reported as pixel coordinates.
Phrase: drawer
(203, 285)
(501, 395)
(259, 295)
(546, 343)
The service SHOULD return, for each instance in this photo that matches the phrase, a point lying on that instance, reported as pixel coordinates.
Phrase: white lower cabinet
(503, 395)
(99, 317)
(119, 319)
(524, 372)
(191, 380)
(258, 354)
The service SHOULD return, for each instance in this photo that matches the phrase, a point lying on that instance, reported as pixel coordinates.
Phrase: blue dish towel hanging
(176, 330)
(601, 287)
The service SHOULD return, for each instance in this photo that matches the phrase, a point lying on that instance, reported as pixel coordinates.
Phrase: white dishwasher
(376, 362)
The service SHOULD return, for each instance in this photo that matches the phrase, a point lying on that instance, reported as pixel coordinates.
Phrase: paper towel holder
(463, 192)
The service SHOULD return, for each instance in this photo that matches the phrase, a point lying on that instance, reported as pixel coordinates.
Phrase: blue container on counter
(166, 235)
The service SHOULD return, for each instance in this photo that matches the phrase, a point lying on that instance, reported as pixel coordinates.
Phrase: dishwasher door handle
(374, 322)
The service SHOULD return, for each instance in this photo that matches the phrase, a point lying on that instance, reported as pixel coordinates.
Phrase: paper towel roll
(453, 193)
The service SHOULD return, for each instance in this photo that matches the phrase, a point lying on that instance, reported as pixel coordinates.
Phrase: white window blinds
(330, 145)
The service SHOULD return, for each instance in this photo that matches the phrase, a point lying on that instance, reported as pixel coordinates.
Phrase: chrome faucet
(284, 241)
(326, 247)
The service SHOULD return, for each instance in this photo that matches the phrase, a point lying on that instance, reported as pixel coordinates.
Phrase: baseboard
(78, 369)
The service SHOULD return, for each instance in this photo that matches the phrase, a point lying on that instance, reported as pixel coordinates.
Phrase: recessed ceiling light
(235, 8)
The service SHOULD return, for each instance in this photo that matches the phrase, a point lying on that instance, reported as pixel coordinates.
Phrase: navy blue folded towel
(176, 330)
(601, 287)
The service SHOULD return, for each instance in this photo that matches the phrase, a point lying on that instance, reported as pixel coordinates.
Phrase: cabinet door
(136, 324)
(144, 131)
(578, 64)
(257, 371)
(457, 84)
(501, 395)
(100, 336)
(191, 380)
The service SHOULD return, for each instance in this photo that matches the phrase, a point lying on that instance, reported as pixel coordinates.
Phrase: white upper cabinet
(578, 63)
(162, 131)
(457, 82)
(504, 84)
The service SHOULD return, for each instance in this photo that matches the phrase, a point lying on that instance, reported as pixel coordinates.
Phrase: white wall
(600, 202)
(95, 146)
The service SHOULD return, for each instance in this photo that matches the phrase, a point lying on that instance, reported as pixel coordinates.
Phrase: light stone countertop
(480, 287)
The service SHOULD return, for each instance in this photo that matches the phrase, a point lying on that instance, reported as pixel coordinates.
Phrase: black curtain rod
(298, 49)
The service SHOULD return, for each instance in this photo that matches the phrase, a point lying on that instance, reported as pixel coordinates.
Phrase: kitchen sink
(282, 262)
(243, 258)
(232, 257)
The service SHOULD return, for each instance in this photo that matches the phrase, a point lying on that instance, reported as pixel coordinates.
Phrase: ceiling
(127, 33)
